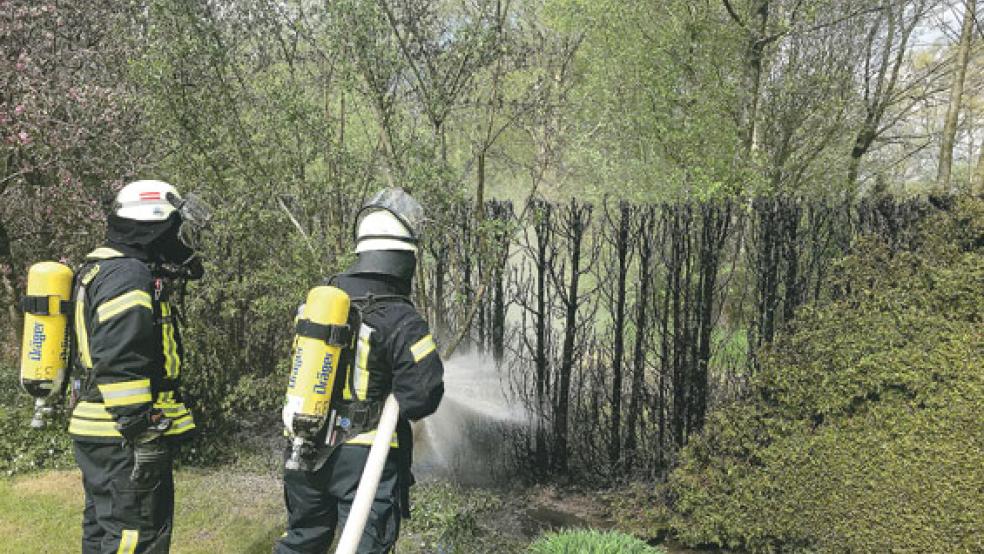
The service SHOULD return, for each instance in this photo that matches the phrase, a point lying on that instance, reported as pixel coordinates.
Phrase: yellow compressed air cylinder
(45, 349)
(315, 362)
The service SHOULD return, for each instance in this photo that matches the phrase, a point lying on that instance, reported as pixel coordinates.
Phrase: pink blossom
(19, 109)
(24, 137)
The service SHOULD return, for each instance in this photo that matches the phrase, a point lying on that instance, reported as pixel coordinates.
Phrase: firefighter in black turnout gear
(127, 362)
(394, 353)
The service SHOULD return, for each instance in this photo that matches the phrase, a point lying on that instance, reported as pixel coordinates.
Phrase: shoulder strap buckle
(41, 305)
(335, 335)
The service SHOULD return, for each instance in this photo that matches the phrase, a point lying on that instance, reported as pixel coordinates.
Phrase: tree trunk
(560, 452)
(678, 378)
(977, 185)
(639, 354)
(622, 248)
(753, 69)
(542, 320)
(956, 94)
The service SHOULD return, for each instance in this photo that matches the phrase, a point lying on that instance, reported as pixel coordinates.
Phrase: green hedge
(865, 432)
(22, 448)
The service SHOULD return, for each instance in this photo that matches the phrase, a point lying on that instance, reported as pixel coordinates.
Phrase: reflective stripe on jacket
(394, 353)
(128, 347)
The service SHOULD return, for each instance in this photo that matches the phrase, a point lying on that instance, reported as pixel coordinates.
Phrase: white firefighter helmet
(146, 200)
(389, 221)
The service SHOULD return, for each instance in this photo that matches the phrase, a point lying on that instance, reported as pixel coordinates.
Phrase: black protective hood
(394, 263)
(155, 241)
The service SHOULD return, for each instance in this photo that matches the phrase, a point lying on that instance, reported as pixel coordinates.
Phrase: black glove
(148, 460)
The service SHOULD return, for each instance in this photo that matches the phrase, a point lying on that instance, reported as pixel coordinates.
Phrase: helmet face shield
(403, 206)
(195, 218)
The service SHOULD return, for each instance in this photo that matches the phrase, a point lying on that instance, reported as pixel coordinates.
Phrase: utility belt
(348, 421)
(352, 418)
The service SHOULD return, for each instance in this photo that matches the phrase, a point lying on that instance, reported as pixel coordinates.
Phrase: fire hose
(364, 495)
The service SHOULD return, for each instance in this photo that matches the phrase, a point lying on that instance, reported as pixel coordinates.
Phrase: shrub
(452, 519)
(864, 428)
(583, 541)
(21, 447)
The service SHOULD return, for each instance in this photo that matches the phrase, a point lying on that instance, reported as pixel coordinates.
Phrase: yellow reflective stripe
(91, 410)
(172, 362)
(360, 373)
(366, 439)
(422, 348)
(128, 542)
(181, 425)
(81, 334)
(176, 413)
(362, 384)
(123, 302)
(87, 428)
(126, 393)
(104, 253)
(90, 275)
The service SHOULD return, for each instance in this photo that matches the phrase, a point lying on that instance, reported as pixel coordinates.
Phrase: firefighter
(128, 358)
(394, 352)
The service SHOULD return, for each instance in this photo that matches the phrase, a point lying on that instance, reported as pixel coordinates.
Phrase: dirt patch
(561, 508)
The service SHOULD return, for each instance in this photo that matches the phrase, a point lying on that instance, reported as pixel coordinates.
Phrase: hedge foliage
(865, 432)
(21, 447)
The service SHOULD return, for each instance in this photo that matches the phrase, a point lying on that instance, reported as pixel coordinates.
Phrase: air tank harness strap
(334, 335)
(359, 416)
(41, 305)
(350, 420)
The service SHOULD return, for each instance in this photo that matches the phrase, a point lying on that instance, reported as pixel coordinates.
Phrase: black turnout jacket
(128, 347)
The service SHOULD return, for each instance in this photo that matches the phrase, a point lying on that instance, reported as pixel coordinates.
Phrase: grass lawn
(238, 512)
(215, 513)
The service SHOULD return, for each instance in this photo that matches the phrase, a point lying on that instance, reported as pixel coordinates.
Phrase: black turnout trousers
(122, 515)
(319, 501)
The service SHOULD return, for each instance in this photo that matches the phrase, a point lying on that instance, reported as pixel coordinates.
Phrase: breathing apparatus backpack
(47, 344)
(316, 417)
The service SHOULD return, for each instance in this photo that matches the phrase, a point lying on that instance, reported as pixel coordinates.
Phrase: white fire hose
(364, 495)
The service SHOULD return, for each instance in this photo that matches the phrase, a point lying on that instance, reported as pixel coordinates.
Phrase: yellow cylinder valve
(45, 348)
(322, 334)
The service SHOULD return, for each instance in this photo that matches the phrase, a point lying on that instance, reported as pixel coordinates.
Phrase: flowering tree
(68, 131)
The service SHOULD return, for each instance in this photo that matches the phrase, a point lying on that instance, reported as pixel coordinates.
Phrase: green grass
(586, 541)
(216, 512)
(237, 511)
(221, 511)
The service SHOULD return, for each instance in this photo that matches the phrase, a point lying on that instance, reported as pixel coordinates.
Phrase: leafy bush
(590, 542)
(865, 431)
(22, 448)
(451, 519)
(640, 509)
